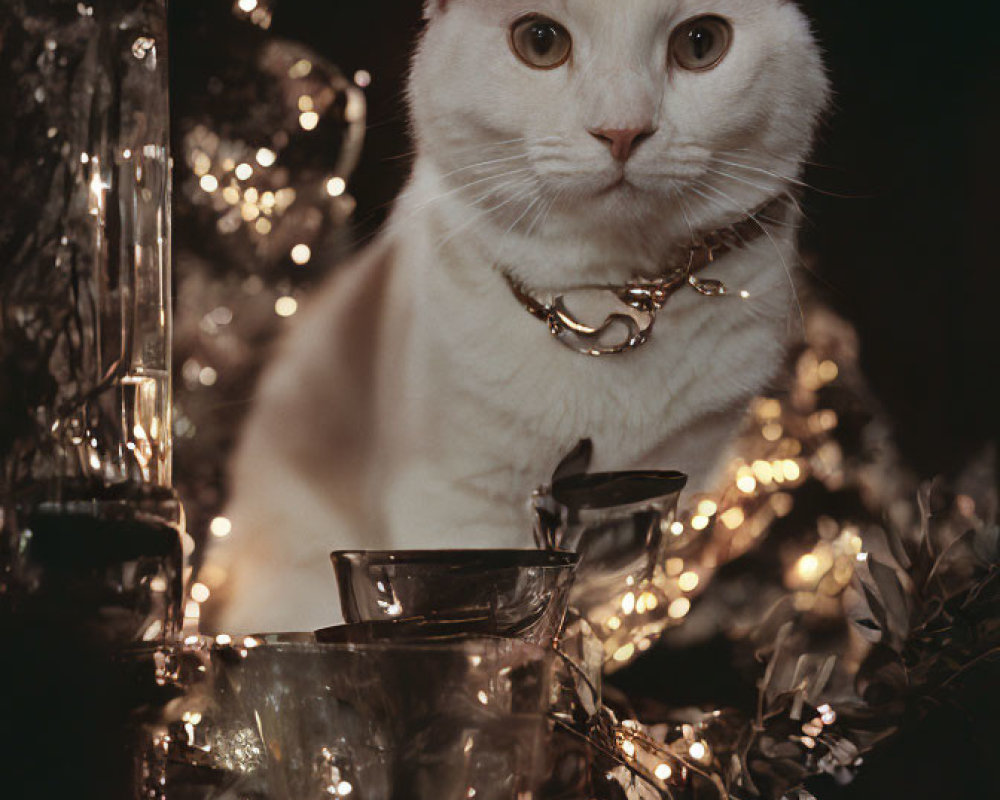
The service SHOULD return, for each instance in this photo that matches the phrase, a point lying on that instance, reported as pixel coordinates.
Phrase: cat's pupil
(702, 42)
(542, 38)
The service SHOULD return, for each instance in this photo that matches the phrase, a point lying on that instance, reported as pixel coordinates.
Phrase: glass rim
(605, 490)
(507, 558)
(298, 642)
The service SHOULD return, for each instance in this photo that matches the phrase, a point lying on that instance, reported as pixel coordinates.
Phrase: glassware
(514, 593)
(292, 719)
(619, 524)
(90, 523)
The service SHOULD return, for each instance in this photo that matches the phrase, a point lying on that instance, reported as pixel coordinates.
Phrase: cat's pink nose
(622, 141)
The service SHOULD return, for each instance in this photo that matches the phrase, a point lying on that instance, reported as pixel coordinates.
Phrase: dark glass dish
(508, 593)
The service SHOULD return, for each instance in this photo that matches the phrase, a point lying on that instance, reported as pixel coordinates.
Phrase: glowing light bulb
(200, 593)
(301, 254)
(286, 306)
(808, 567)
(679, 608)
(688, 582)
(266, 157)
(335, 187)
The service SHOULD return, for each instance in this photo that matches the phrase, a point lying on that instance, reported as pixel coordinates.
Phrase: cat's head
(618, 114)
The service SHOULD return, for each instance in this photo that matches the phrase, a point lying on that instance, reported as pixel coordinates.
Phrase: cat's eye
(701, 43)
(540, 42)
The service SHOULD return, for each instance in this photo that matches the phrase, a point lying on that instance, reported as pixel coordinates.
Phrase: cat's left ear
(432, 7)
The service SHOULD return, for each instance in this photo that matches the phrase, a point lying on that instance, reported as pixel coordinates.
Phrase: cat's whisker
(761, 171)
(481, 164)
(771, 156)
(456, 190)
(764, 229)
(480, 214)
(764, 189)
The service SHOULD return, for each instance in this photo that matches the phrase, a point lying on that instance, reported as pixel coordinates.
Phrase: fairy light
(244, 171)
(679, 608)
(223, 640)
(209, 183)
(207, 376)
(733, 518)
(624, 653)
(200, 593)
(746, 484)
(698, 751)
(308, 120)
(677, 528)
(807, 567)
(663, 772)
(286, 306)
(699, 522)
(828, 371)
(247, 5)
(363, 78)
(628, 603)
(301, 254)
(772, 431)
(336, 186)
(707, 507)
(688, 582)
(266, 157)
(300, 69)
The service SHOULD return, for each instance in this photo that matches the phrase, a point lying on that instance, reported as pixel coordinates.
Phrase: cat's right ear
(434, 7)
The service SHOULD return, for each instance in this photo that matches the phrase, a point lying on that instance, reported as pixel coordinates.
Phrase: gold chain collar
(627, 313)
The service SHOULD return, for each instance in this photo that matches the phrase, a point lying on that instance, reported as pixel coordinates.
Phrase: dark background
(900, 239)
(902, 218)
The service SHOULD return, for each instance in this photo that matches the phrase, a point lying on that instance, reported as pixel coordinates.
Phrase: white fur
(416, 404)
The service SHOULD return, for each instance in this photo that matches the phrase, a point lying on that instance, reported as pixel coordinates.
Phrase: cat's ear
(434, 7)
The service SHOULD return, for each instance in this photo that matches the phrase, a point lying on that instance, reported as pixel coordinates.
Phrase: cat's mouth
(619, 183)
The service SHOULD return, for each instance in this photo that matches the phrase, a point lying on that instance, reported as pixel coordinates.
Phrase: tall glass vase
(91, 526)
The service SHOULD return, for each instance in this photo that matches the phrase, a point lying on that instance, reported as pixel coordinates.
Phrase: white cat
(417, 402)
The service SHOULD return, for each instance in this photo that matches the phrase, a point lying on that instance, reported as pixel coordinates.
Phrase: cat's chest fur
(477, 402)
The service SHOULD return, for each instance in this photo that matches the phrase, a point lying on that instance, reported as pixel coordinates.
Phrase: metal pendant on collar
(610, 320)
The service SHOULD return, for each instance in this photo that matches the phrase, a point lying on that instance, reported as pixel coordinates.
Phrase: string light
(286, 306)
(266, 157)
(335, 187)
